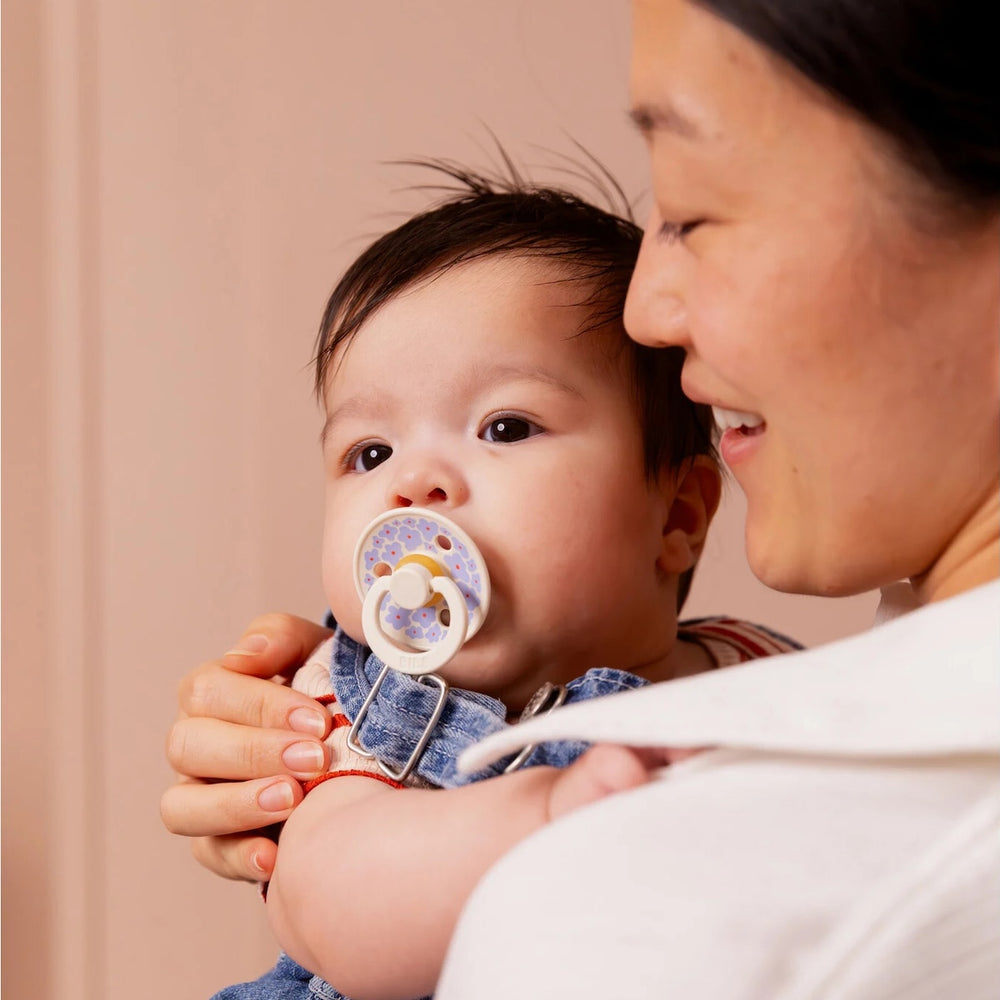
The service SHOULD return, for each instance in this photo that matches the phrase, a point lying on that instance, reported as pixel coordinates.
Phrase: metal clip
(404, 772)
(546, 699)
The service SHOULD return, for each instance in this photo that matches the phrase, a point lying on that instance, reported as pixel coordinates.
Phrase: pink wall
(183, 182)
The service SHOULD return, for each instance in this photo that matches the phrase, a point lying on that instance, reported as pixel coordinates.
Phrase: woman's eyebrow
(649, 118)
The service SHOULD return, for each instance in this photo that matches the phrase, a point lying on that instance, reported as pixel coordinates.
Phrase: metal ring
(404, 772)
(546, 699)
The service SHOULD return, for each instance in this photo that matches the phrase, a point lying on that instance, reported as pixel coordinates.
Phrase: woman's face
(856, 341)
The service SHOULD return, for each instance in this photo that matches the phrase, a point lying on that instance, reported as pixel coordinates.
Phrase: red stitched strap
(310, 785)
(744, 644)
(746, 639)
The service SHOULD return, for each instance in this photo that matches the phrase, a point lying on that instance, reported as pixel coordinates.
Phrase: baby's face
(473, 394)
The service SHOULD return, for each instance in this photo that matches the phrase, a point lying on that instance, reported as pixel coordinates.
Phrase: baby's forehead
(541, 295)
(553, 282)
(555, 331)
(537, 266)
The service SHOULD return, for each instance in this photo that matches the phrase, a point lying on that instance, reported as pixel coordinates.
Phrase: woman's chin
(811, 573)
(779, 560)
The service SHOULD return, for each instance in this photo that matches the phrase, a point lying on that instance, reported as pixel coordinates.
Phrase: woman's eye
(671, 232)
(368, 457)
(507, 430)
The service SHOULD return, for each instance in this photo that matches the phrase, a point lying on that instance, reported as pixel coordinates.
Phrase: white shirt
(842, 842)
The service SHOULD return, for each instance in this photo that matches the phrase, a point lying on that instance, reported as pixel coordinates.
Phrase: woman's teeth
(729, 419)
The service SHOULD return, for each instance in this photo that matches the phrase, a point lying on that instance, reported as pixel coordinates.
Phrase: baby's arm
(370, 880)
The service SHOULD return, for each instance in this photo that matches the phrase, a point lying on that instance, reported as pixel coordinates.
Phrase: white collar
(925, 684)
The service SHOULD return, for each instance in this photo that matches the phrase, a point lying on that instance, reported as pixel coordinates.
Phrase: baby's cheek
(341, 596)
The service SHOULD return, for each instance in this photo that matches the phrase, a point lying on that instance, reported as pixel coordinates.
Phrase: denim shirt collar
(398, 716)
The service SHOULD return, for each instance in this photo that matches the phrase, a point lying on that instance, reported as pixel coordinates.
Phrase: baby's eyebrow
(496, 375)
(359, 406)
(491, 377)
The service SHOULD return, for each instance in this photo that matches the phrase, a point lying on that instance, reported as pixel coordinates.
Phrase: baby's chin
(483, 664)
(509, 680)
(478, 668)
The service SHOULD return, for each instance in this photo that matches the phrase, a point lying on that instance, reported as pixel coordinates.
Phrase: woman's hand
(241, 745)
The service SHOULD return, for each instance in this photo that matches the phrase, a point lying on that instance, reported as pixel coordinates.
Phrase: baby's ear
(696, 489)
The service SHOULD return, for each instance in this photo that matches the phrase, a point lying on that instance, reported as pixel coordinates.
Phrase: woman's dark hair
(924, 72)
(485, 217)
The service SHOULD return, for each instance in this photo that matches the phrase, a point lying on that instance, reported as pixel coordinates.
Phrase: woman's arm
(370, 880)
(257, 736)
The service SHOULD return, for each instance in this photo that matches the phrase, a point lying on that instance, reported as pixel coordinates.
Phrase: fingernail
(250, 644)
(304, 758)
(255, 857)
(276, 798)
(304, 720)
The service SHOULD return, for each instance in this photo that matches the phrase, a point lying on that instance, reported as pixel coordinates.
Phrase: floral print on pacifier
(424, 585)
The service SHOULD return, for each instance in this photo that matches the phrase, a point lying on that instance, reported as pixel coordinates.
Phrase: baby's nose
(425, 482)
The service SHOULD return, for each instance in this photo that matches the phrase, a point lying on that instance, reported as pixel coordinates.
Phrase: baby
(472, 363)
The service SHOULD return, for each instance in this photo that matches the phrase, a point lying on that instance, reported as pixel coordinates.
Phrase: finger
(240, 856)
(213, 691)
(197, 809)
(214, 749)
(601, 771)
(275, 644)
(654, 757)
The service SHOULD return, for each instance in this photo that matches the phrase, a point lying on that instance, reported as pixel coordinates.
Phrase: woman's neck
(971, 558)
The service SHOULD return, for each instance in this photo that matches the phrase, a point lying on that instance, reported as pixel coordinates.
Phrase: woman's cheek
(719, 331)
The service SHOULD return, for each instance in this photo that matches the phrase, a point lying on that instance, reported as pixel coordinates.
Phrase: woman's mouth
(740, 433)
(738, 420)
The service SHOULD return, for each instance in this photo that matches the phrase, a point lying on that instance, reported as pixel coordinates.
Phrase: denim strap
(398, 716)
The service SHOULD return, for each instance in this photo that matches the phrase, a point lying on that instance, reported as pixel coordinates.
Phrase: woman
(826, 247)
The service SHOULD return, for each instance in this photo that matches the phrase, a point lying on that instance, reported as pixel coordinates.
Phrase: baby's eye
(508, 429)
(367, 457)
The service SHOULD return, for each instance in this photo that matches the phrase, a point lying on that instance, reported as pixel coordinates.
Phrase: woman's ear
(696, 489)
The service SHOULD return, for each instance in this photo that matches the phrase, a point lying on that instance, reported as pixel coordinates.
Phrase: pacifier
(425, 592)
(424, 587)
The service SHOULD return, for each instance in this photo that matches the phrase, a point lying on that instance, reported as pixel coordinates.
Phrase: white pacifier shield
(424, 585)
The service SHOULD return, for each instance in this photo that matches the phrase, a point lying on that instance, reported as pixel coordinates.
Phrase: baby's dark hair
(486, 217)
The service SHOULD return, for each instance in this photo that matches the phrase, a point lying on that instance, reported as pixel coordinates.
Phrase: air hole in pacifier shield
(443, 542)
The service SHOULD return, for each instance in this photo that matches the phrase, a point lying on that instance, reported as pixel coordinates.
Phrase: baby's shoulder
(731, 640)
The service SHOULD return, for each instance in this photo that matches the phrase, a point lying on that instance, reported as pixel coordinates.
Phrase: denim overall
(393, 725)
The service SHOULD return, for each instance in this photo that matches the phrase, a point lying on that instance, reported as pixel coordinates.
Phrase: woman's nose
(424, 480)
(655, 308)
